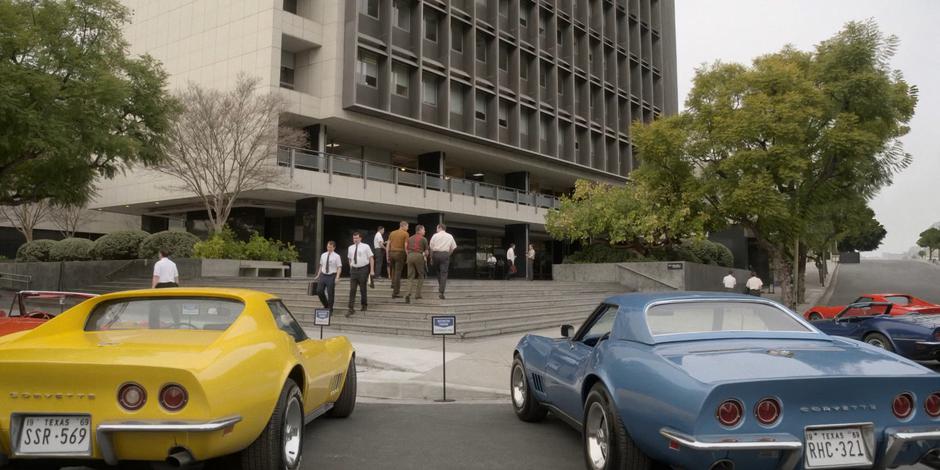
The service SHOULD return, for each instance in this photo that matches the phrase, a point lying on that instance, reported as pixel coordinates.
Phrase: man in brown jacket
(395, 255)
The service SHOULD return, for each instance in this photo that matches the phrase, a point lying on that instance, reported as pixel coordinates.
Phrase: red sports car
(902, 304)
(32, 308)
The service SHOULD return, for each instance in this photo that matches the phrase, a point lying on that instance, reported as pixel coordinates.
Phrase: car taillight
(729, 413)
(173, 397)
(132, 396)
(903, 405)
(932, 405)
(767, 411)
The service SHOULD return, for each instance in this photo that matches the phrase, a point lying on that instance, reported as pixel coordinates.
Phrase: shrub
(36, 250)
(72, 249)
(178, 244)
(119, 245)
(220, 246)
(710, 252)
(603, 253)
(224, 246)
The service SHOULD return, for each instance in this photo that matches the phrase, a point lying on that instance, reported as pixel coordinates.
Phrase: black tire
(346, 402)
(814, 316)
(524, 403)
(879, 340)
(622, 453)
(268, 451)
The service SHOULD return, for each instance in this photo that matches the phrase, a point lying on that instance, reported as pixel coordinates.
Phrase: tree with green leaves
(772, 144)
(929, 239)
(74, 105)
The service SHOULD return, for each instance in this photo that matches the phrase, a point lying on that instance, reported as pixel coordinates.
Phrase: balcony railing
(331, 164)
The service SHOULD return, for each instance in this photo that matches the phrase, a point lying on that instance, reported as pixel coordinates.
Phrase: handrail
(658, 281)
(14, 278)
(333, 164)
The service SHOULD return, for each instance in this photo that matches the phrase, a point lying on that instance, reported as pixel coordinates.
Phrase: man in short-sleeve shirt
(165, 273)
(417, 248)
(442, 245)
(361, 266)
(396, 257)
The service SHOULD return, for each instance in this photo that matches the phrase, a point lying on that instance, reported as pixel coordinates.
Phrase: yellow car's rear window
(165, 313)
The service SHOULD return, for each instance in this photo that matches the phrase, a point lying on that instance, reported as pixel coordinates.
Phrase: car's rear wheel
(879, 341)
(525, 405)
(607, 445)
(346, 402)
(815, 316)
(280, 445)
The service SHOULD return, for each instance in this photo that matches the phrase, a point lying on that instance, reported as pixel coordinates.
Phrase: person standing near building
(530, 263)
(378, 245)
(361, 266)
(754, 284)
(511, 261)
(165, 273)
(729, 281)
(417, 248)
(330, 266)
(396, 256)
(442, 246)
(491, 265)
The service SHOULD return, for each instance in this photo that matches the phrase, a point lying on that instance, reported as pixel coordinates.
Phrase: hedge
(177, 244)
(119, 245)
(693, 251)
(36, 250)
(225, 246)
(72, 249)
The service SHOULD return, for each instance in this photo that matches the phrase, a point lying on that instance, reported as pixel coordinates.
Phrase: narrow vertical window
(368, 69)
(429, 90)
(402, 78)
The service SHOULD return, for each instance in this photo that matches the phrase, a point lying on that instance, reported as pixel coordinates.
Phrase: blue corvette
(723, 381)
(914, 335)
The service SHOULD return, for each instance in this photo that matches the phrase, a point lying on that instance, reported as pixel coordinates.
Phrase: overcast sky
(739, 30)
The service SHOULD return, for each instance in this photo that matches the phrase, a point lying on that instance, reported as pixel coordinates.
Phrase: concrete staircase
(482, 308)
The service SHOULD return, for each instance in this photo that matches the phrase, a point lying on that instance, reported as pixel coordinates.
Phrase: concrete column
(308, 230)
(518, 180)
(246, 220)
(518, 234)
(154, 224)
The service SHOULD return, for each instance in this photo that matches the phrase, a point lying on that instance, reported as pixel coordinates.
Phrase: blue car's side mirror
(566, 331)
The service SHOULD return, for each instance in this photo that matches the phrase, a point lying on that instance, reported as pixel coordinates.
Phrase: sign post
(444, 326)
(321, 318)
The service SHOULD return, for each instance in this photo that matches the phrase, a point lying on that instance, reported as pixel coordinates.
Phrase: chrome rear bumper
(787, 443)
(104, 431)
(896, 438)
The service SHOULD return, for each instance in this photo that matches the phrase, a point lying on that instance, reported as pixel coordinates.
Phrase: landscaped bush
(119, 245)
(72, 249)
(710, 252)
(224, 246)
(36, 250)
(603, 253)
(178, 244)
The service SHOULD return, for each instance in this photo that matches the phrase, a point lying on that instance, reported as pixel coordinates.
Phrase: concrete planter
(651, 275)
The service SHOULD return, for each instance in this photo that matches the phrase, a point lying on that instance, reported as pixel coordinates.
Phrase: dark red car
(901, 304)
(31, 308)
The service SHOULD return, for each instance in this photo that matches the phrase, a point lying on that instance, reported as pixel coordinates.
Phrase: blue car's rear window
(705, 317)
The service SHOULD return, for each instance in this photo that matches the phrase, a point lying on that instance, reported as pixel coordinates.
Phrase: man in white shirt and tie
(511, 260)
(330, 266)
(442, 245)
(378, 244)
(729, 281)
(361, 266)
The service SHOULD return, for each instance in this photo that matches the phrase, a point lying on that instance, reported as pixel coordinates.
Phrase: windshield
(898, 299)
(50, 304)
(165, 313)
(704, 317)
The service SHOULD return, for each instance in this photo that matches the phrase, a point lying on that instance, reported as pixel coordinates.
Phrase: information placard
(321, 317)
(444, 325)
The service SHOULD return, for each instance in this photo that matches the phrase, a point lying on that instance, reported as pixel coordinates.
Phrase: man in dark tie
(361, 266)
(330, 266)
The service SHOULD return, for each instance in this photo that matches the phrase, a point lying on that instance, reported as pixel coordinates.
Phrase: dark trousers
(161, 285)
(398, 262)
(358, 277)
(326, 290)
(509, 266)
(441, 262)
(379, 262)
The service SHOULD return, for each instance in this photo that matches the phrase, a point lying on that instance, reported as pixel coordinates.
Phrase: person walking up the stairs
(442, 245)
(530, 263)
(378, 245)
(417, 248)
(330, 266)
(361, 266)
(165, 273)
(396, 257)
(511, 261)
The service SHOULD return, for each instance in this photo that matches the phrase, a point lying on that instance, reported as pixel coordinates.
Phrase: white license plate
(835, 447)
(55, 435)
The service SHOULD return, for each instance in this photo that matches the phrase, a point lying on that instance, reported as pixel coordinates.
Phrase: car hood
(716, 361)
(928, 309)
(924, 320)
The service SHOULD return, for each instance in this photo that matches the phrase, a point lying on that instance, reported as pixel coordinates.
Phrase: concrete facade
(482, 110)
(651, 275)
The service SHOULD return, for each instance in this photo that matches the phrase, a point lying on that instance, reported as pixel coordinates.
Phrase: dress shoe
(363, 309)
(350, 312)
(407, 299)
(442, 296)
(396, 296)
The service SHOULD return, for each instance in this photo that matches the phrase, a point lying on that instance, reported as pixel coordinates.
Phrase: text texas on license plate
(835, 447)
(55, 435)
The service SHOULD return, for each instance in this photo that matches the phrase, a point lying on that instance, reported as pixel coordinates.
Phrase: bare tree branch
(25, 217)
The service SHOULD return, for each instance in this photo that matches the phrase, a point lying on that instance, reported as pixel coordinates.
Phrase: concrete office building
(478, 113)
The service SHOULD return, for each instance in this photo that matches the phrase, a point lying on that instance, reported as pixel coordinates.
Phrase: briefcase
(312, 288)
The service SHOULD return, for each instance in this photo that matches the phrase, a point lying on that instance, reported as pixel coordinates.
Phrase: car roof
(244, 295)
(886, 295)
(641, 300)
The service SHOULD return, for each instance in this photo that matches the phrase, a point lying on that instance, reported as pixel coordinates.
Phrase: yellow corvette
(177, 375)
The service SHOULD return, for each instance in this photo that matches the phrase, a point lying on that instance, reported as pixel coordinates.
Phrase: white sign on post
(321, 317)
(444, 325)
